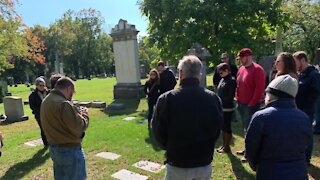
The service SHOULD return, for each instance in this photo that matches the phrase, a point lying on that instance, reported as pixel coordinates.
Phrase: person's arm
(172, 80)
(146, 85)
(32, 102)
(76, 121)
(259, 80)
(253, 141)
(159, 122)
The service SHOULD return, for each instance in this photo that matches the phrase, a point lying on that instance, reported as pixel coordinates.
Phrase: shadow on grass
(151, 140)
(19, 170)
(130, 106)
(314, 171)
(239, 171)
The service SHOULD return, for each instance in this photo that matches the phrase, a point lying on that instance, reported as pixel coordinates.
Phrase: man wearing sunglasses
(233, 68)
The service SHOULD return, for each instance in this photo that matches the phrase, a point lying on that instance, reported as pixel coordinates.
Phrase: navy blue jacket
(226, 91)
(276, 141)
(187, 123)
(309, 90)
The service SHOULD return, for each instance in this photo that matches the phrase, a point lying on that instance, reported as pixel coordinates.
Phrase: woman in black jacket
(226, 92)
(151, 88)
(35, 100)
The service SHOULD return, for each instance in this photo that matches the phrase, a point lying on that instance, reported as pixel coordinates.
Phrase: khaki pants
(198, 173)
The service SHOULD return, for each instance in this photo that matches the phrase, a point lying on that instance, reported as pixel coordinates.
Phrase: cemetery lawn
(108, 132)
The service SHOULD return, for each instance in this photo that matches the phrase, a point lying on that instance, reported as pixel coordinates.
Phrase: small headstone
(129, 118)
(108, 155)
(124, 174)
(34, 143)
(85, 103)
(143, 121)
(98, 104)
(116, 106)
(149, 166)
(13, 109)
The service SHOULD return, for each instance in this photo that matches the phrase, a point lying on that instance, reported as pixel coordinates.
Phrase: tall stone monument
(202, 53)
(125, 47)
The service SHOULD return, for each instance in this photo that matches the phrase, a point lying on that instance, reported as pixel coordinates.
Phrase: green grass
(108, 132)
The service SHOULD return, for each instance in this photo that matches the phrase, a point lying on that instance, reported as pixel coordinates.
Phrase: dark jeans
(226, 126)
(151, 107)
(316, 128)
(68, 163)
(246, 113)
(310, 146)
(43, 136)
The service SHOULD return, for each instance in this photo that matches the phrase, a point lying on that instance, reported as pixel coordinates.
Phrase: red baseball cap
(244, 52)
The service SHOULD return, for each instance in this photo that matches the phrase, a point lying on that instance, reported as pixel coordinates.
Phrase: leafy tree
(303, 30)
(218, 25)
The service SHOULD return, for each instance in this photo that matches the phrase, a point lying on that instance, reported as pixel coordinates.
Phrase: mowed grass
(108, 132)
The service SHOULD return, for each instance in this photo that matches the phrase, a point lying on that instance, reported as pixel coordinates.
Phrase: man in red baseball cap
(250, 88)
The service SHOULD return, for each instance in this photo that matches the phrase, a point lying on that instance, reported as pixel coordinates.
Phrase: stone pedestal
(128, 90)
(125, 47)
(13, 109)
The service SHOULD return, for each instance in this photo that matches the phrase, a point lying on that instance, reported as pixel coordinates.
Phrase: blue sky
(45, 12)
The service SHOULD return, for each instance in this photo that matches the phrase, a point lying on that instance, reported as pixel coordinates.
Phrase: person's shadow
(19, 170)
(151, 140)
(239, 171)
(314, 171)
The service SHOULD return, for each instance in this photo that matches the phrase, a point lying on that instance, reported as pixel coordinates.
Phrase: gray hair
(39, 80)
(190, 66)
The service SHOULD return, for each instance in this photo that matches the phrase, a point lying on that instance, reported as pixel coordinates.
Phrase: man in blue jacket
(309, 90)
(278, 136)
(186, 123)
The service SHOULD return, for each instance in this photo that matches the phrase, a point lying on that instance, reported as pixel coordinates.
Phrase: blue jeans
(68, 163)
(316, 128)
(198, 173)
(310, 146)
(246, 113)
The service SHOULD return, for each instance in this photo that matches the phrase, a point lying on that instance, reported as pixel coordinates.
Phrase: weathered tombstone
(125, 47)
(85, 103)
(98, 104)
(202, 53)
(13, 109)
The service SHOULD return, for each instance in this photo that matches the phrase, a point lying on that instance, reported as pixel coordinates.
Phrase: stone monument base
(128, 90)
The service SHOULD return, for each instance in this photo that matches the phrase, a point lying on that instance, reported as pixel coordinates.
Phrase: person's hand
(84, 111)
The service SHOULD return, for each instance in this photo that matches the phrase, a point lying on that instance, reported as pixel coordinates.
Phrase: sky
(46, 12)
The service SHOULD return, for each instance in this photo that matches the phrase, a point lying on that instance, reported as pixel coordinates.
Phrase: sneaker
(241, 153)
(243, 159)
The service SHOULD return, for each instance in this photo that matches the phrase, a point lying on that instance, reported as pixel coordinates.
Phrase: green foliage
(303, 31)
(217, 25)
(148, 53)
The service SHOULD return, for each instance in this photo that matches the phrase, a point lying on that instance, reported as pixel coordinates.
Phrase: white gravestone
(13, 109)
(125, 47)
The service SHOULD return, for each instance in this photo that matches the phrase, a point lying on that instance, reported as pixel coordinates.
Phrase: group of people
(278, 131)
(187, 121)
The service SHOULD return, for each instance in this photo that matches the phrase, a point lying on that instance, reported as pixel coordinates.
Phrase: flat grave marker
(124, 174)
(108, 155)
(34, 143)
(149, 166)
